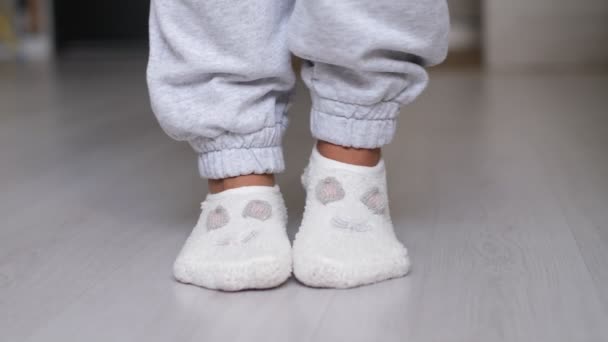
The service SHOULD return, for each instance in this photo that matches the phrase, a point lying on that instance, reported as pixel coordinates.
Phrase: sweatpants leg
(364, 60)
(219, 77)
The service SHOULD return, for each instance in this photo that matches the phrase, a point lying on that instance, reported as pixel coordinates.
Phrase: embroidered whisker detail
(340, 223)
(252, 234)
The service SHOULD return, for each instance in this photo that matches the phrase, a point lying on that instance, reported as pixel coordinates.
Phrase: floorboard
(499, 187)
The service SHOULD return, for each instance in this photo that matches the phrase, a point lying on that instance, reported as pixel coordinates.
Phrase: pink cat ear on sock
(329, 190)
(217, 218)
(257, 209)
(374, 200)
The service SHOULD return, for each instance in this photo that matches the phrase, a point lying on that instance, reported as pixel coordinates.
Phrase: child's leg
(364, 60)
(349, 155)
(219, 185)
(220, 77)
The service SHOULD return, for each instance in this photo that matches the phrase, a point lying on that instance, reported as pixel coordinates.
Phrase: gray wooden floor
(499, 188)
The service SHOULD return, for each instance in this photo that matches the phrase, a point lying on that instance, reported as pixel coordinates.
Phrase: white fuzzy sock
(239, 242)
(346, 238)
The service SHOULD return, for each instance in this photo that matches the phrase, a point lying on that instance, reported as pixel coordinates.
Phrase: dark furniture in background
(103, 22)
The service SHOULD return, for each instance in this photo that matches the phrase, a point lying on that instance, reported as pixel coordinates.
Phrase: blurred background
(498, 178)
(490, 33)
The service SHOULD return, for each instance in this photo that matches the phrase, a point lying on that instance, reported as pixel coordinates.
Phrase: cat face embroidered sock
(346, 238)
(239, 242)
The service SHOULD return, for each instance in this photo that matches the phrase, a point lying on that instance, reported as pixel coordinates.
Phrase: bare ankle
(219, 185)
(215, 185)
(349, 155)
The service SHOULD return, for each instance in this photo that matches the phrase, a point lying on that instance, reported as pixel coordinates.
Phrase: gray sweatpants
(220, 75)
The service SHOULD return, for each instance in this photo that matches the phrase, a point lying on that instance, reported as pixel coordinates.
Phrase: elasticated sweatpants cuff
(241, 161)
(353, 125)
(231, 155)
